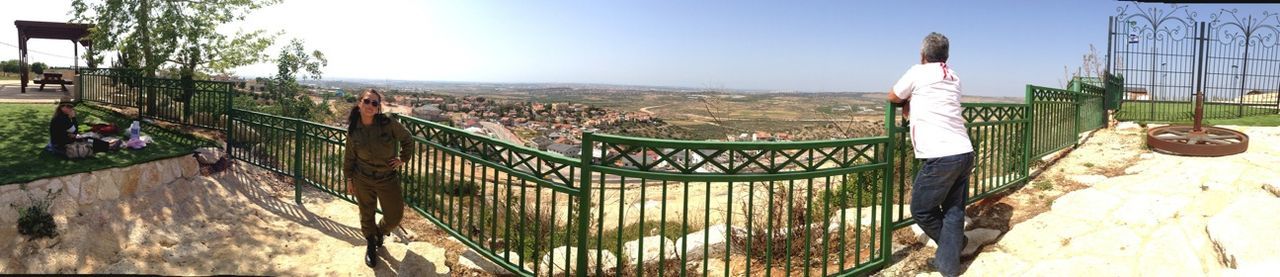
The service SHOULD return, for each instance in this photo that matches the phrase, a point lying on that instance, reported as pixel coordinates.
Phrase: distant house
(430, 112)
(761, 135)
(568, 150)
(542, 143)
(1136, 93)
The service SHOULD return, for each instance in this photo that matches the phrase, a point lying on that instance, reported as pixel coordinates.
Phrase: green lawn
(1261, 120)
(1181, 112)
(24, 131)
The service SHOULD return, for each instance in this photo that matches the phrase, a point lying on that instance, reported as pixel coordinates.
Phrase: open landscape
(638, 138)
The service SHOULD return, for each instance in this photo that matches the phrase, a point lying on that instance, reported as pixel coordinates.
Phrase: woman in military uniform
(370, 165)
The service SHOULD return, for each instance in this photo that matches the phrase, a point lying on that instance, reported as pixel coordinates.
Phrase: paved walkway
(11, 92)
(1166, 216)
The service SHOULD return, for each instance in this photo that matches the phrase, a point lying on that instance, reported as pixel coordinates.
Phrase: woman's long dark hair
(57, 111)
(353, 120)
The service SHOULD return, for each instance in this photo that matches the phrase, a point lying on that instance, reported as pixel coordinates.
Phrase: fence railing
(1093, 110)
(710, 208)
(801, 208)
(1054, 119)
(188, 102)
(524, 209)
(1114, 87)
(820, 207)
(1000, 134)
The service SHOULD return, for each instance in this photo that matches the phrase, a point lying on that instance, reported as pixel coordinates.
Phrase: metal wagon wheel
(1207, 141)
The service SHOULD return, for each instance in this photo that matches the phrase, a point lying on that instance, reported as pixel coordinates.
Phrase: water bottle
(134, 129)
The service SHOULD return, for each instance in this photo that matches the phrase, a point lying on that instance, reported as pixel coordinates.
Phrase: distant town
(552, 117)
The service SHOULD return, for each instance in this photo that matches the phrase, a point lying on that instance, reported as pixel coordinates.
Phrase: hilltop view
(638, 138)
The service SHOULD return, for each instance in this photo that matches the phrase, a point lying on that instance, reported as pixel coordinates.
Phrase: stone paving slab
(1168, 216)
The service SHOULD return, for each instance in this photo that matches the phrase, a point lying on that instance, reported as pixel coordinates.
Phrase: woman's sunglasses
(374, 103)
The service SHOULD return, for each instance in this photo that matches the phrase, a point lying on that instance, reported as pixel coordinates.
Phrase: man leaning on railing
(930, 92)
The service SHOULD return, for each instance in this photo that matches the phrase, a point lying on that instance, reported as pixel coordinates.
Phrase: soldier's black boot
(371, 252)
(380, 237)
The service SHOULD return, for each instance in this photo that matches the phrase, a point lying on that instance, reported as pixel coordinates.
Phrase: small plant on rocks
(1043, 185)
(34, 219)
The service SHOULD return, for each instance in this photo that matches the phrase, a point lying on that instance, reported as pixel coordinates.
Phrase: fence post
(1028, 134)
(886, 231)
(584, 200)
(227, 143)
(226, 109)
(79, 88)
(297, 161)
(1075, 137)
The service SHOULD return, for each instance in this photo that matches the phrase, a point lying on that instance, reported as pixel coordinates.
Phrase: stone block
(655, 249)
(1243, 232)
(127, 178)
(472, 260)
(555, 263)
(978, 238)
(711, 241)
(108, 189)
(189, 166)
(88, 189)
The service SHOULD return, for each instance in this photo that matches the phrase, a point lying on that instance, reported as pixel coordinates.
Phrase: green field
(24, 132)
(1260, 120)
(1182, 112)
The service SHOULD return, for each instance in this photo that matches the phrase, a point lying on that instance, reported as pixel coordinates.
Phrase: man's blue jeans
(937, 204)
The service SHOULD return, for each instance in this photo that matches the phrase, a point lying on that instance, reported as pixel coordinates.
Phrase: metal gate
(1156, 50)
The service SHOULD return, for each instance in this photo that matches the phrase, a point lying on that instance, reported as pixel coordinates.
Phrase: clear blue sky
(997, 47)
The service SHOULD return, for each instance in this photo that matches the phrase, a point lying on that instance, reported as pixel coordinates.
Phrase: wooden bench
(53, 79)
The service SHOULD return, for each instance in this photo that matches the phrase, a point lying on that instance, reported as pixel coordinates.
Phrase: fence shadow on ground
(260, 194)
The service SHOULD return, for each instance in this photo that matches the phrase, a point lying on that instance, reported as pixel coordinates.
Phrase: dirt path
(242, 221)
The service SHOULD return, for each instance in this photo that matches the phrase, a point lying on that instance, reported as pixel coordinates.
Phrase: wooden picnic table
(51, 78)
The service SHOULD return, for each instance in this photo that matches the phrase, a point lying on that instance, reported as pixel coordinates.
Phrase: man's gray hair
(935, 48)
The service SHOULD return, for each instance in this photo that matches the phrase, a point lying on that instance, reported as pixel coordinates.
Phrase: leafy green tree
(294, 62)
(39, 67)
(10, 66)
(150, 33)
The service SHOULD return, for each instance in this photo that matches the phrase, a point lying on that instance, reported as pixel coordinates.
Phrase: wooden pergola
(49, 30)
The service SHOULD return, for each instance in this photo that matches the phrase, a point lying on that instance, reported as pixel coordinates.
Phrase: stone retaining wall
(87, 188)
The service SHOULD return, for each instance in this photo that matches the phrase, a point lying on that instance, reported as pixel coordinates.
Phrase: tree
(39, 67)
(150, 33)
(1091, 65)
(10, 66)
(293, 62)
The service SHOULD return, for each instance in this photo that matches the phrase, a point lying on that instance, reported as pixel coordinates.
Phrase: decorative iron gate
(1156, 50)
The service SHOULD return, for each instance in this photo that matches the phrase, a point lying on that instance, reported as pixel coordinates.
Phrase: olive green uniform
(368, 150)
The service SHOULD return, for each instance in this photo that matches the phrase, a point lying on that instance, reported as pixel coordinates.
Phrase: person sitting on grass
(63, 131)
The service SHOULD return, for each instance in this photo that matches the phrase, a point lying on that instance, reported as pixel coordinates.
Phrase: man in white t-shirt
(931, 92)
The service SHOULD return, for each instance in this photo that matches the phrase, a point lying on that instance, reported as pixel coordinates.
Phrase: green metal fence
(711, 208)
(1114, 85)
(109, 86)
(999, 133)
(1093, 111)
(1054, 119)
(188, 102)
(520, 207)
(794, 208)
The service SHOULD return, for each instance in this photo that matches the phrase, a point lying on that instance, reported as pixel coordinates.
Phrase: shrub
(783, 227)
(34, 220)
(39, 67)
(459, 188)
